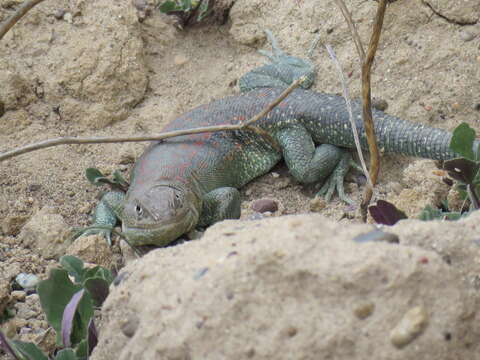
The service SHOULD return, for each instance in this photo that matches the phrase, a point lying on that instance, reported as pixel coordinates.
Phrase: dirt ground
(101, 68)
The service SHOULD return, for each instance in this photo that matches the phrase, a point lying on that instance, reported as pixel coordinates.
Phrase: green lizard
(189, 181)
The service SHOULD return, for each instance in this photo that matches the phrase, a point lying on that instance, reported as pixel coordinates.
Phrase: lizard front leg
(107, 213)
(220, 204)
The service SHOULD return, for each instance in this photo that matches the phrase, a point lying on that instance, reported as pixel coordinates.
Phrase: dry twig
(247, 125)
(367, 61)
(12, 20)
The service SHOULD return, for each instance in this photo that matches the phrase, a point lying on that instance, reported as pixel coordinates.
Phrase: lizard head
(159, 215)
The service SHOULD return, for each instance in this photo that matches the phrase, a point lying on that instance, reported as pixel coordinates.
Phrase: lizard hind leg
(336, 179)
(220, 204)
(309, 164)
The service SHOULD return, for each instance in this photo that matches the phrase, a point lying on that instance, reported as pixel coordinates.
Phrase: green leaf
(204, 11)
(186, 5)
(168, 6)
(28, 350)
(430, 213)
(462, 141)
(119, 179)
(81, 351)
(99, 272)
(74, 266)
(55, 293)
(66, 354)
(95, 176)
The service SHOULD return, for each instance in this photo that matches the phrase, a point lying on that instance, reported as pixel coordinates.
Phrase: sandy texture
(295, 287)
(101, 68)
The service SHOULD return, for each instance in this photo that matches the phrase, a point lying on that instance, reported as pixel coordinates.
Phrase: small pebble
(180, 59)
(396, 187)
(12, 225)
(130, 326)
(68, 17)
(256, 216)
(275, 174)
(317, 204)
(467, 36)
(410, 327)
(265, 205)
(141, 5)
(364, 310)
(200, 273)
(59, 13)
(27, 281)
(376, 236)
(379, 104)
(19, 295)
(34, 187)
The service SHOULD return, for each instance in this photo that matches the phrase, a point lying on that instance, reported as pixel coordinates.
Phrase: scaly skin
(192, 180)
(171, 179)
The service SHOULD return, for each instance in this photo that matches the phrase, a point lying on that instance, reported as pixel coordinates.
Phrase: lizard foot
(105, 216)
(336, 179)
(282, 70)
(105, 233)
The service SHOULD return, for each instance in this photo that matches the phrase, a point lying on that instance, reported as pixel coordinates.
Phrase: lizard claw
(335, 180)
(105, 233)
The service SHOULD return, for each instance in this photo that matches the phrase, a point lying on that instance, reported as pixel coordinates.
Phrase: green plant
(69, 307)
(464, 169)
(187, 11)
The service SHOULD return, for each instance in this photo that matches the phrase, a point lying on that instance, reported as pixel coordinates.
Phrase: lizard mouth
(160, 234)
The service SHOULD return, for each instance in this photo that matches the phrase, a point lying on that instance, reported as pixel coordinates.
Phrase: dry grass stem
(12, 20)
(348, 103)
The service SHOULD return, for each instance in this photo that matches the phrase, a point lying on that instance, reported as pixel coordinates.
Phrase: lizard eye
(138, 210)
(177, 200)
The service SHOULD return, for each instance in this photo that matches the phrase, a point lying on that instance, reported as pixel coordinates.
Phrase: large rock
(47, 233)
(87, 64)
(296, 287)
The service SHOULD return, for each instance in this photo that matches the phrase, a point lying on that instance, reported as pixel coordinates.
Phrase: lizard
(192, 181)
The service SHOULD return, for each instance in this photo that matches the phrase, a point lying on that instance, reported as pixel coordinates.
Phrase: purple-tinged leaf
(98, 289)
(68, 316)
(92, 336)
(463, 170)
(386, 213)
(5, 345)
